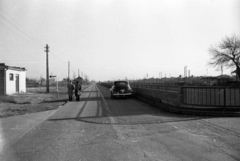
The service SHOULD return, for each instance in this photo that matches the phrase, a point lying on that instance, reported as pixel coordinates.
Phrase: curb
(185, 110)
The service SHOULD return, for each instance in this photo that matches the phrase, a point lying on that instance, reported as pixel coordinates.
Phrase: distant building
(237, 77)
(12, 79)
(210, 80)
(79, 79)
(219, 80)
(224, 80)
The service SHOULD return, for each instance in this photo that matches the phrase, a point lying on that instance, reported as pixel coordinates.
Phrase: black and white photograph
(119, 80)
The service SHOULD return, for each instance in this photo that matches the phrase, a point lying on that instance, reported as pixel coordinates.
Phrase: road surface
(102, 129)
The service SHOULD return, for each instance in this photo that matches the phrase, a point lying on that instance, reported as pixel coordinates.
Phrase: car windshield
(120, 83)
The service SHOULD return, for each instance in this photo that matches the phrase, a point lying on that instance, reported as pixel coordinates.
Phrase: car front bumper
(122, 94)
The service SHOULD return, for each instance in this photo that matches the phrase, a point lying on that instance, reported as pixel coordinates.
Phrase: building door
(17, 83)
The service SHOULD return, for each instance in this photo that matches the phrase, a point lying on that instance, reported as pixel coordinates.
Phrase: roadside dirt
(34, 100)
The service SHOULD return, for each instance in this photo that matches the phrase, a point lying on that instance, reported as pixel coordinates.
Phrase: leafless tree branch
(226, 54)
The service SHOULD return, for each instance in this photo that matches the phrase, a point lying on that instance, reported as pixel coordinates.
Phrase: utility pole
(189, 76)
(74, 75)
(68, 71)
(159, 78)
(185, 73)
(47, 72)
(221, 70)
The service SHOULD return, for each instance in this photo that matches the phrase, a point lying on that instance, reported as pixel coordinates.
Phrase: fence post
(180, 96)
(224, 95)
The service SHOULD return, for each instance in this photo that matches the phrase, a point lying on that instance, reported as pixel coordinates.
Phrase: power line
(33, 38)
(35, 47)
(58, 57)
(20, 25)
(26, 40)
(20, 30)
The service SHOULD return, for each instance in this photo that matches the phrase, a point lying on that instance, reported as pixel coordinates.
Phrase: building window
(11, 76)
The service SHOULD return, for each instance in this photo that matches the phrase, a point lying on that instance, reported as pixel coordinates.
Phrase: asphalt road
(101, 129)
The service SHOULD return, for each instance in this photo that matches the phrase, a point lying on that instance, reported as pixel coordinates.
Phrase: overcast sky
(114, 39)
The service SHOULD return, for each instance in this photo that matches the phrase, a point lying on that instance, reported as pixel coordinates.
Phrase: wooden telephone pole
(68, 71)
(47, 72)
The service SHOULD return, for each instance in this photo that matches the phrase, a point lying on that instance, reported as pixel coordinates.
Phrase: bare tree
(226, 54)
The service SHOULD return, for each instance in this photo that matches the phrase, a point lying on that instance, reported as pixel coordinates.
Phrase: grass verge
(34, 100)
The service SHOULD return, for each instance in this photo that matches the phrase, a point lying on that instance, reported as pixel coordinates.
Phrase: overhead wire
(20, 36)
(19, 24)
(31, 37)
(20, 30)
(26, 36)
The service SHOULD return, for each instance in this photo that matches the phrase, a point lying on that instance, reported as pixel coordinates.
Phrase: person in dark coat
(70, 88)
(77, 89)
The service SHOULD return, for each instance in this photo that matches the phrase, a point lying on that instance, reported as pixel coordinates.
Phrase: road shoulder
(13, 128)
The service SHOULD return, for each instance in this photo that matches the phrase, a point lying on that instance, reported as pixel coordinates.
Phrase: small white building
(12, 80)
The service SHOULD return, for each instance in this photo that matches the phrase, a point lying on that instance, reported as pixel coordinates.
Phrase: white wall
(11, 85)
(22, 82)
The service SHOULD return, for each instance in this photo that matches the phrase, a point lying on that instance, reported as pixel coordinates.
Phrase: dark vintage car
(121, 89)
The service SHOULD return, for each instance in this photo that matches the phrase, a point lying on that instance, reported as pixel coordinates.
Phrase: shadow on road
(88, 91)
(90, 99)
(125, 112)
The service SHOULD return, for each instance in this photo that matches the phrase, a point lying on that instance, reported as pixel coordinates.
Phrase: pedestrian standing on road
(70, 87)
(77, 91)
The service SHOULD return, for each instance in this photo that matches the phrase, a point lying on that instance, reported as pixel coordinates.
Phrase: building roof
(78, 78)
(3, 66)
